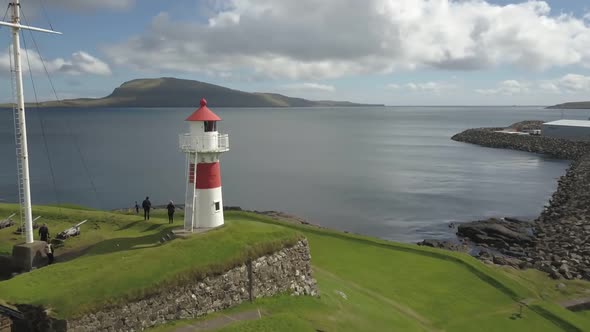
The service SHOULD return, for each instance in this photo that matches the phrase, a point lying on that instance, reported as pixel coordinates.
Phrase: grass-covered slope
(397, 287)
(100, 227)
(366, 284)
(131, 264)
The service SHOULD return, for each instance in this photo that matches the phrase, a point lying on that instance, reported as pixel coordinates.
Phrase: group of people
(147, 206)
(44, 236)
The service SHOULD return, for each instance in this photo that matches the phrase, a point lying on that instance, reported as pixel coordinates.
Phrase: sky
(394, 52)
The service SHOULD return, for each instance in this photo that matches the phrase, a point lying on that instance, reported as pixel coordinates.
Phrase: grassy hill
(174, 92)
(572, 105)
(366, 284)
(116, 246)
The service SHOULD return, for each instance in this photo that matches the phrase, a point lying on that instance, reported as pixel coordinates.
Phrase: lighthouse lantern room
(203, 145)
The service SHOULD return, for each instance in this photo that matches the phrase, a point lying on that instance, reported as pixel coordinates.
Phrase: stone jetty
(558, 241)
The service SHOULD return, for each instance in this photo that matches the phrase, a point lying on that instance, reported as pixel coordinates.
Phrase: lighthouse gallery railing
(205, 143)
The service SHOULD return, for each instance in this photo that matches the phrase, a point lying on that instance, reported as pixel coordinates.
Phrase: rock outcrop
(507, 234)
(442, 244)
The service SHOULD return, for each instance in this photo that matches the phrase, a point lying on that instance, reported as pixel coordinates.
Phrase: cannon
(72, 231)
(7, 222)
(21, 228)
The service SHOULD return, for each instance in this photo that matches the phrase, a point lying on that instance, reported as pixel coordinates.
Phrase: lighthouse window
(210, 126)
(217, 206)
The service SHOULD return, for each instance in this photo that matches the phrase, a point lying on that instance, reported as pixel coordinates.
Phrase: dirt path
(221, 321)
(401, 308)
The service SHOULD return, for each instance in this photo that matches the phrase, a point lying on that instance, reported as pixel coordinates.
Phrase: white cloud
(285, 39)
(574, 83)
(85, 5)
(507, 88)
(79, 63)
(426, 87)
(309, 87)
(570, 83)
(549, 87)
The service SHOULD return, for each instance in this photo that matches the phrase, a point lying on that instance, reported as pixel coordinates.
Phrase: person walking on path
(44, 233)
(136, 208)
(171, 209)
(147, 205)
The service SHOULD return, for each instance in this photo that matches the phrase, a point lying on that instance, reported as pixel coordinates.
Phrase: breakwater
(560, 239)
(554, 147)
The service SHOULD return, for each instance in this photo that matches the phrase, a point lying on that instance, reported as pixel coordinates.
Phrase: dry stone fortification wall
(287, 270)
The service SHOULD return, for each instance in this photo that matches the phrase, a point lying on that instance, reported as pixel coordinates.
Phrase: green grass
(133, 265)
(100, 227)
(388, 286)
(391, 286)
(585, 314)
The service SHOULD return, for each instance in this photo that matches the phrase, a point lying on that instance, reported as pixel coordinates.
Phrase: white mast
(23, 153)
(20, 104)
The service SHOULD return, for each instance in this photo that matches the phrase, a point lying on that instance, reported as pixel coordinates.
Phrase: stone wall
(561, 235)
(563, 230)
(288, 270)
(5, 324)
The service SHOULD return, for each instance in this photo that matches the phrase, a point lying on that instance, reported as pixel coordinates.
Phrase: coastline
(558, 241)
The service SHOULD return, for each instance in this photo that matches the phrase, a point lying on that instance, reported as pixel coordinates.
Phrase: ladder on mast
(19, 119)
(19, 150)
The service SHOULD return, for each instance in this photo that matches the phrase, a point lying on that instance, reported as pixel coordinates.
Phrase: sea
(390, 172)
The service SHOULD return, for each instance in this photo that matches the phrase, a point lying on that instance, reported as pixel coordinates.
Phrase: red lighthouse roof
(203, 113)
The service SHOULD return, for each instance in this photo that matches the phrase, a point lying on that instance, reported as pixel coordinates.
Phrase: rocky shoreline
(558, 241)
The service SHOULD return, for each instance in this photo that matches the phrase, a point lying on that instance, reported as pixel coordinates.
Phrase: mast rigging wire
(68, 124)
(45, 13)
(41, 122)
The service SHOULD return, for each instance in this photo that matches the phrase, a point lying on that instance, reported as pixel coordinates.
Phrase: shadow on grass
(152, 228)
(127, 243)
(130, 225)
(556, 320)
(114, 245)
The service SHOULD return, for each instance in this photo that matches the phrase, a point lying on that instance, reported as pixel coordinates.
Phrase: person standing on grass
(170, 207)
(44, 233)
(136, 208)
(49, 252)
(147, 205)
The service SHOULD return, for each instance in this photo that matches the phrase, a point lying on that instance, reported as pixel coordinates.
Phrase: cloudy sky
(397, 52)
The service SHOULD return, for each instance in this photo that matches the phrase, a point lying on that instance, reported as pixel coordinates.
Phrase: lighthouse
(203, 145)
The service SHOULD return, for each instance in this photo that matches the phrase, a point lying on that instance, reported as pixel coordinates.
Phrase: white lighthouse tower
(203, 145)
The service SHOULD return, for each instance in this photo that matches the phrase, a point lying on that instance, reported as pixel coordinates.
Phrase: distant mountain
(573, 105)
(174, 92)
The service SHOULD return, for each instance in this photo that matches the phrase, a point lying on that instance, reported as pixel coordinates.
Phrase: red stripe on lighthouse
(208, 176)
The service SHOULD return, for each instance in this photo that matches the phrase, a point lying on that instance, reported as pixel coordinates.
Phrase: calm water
(391, 172)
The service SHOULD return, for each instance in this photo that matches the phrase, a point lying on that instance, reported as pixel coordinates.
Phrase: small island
(572, 105)
(174, 92)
